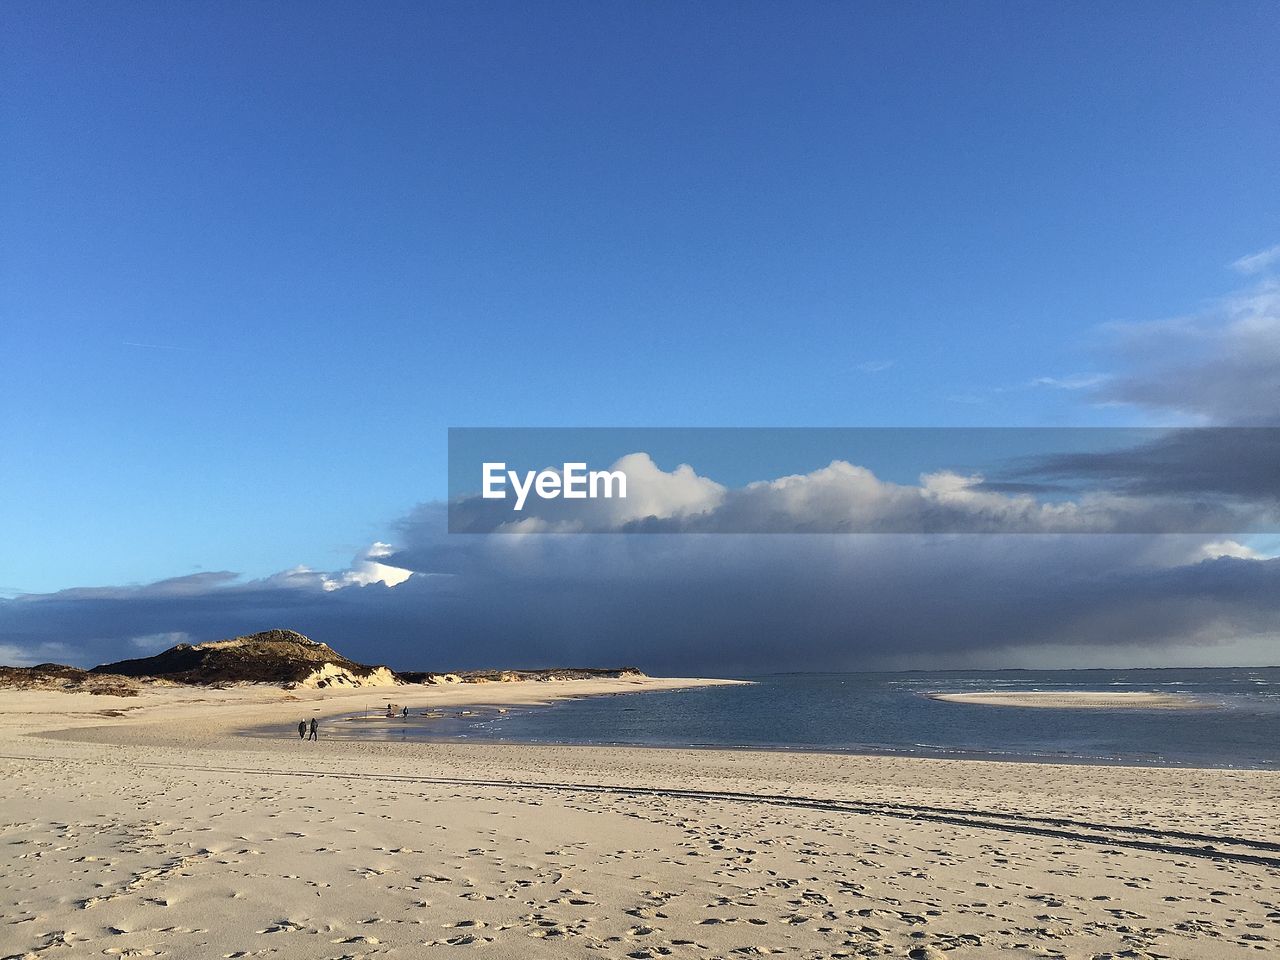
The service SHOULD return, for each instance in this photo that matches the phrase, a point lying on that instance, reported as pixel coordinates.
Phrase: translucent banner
(864, 480)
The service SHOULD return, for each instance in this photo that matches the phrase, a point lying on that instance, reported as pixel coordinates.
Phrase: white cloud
(654, 492)
(1229, 548)
(1258, 262)
(366, 569)
(1078, 382)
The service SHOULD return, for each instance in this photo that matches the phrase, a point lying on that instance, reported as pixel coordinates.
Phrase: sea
(892, 713)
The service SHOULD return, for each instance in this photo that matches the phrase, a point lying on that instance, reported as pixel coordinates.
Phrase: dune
(279, 657)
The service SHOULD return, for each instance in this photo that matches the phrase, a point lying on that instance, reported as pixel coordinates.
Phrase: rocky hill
(281, 657)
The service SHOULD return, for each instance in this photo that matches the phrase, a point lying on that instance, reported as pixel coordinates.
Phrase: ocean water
(891, 713)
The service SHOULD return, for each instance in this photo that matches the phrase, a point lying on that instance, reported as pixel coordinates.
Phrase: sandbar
(1077, 699)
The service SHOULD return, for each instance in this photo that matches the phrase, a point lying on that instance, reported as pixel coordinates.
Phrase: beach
(150, 826)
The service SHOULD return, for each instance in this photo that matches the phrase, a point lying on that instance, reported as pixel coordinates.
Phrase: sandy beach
(146, 826)
(1076, 699)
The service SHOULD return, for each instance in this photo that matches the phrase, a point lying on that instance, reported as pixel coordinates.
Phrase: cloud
(875, 366)
(1078, 382)
(1219, 367)
(1189, 469)
(367, 568)
(1229, 548)
(190, 585)
(678, 493)
(710, 604)
(1258, 262)
(747, 604)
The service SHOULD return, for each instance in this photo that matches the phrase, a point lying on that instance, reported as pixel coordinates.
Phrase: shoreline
(229, 713)
(248, 702)
(924, 752)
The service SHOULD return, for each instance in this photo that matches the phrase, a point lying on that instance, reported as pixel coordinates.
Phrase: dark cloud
(1197, 466)
(702, 604)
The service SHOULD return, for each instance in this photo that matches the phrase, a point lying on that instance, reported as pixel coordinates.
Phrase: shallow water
(890, 713)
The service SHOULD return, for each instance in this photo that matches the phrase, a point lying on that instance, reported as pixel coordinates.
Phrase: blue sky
(257, 258)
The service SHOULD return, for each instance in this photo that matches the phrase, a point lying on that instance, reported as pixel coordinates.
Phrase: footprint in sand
(283, 926)
(466, 940)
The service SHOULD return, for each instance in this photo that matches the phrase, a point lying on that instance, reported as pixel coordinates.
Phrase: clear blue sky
(257, 257)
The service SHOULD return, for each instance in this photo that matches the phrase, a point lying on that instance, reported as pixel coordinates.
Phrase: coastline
(23, 709)
(265, 717)
(161, 829)
(919, 752)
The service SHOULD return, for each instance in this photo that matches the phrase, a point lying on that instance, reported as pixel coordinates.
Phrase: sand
(147, 827)
(1077, 699)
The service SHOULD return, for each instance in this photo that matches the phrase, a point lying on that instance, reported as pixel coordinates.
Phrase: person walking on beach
(405, 714)
(302, 729)
(313, 730)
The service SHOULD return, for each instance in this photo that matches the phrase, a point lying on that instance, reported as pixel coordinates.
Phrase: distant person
(313, 730)
(405, 712)
(302, 729)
